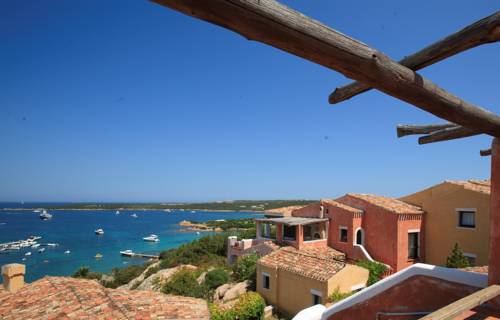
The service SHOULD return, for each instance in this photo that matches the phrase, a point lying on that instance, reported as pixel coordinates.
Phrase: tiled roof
(262, 249)
(341, 205)
(482, 186)
(315, 263)
(68, 298)
(391, 204)
(284, 211)
(479, 269)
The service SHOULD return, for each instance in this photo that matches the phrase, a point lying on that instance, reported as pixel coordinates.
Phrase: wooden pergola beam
(272, 23)
(447, 134)
(485, 152)
(481, 32)
(455, 309)
(410, 129)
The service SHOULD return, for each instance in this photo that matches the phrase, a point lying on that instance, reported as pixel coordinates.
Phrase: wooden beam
(447, 134)
(409, 129)
(453, 310)
(272, 23)
(481, 32)
(485, 152)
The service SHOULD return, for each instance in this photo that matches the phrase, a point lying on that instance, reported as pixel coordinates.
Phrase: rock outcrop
(231, 291)
(155, 281)
(136, 281)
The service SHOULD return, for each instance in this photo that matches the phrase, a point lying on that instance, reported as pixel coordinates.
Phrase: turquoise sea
(74, 230)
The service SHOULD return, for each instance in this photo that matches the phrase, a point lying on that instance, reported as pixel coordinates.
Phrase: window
(265, 280)
(289, 232)
(472, 259)
(413, 240)
(467, 218)
(343, 234)
(316, 297)
(307, 232)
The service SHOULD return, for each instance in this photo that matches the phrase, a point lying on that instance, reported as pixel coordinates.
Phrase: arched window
(360, 237)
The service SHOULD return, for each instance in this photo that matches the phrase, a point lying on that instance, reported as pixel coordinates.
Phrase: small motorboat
(28, 253)
(197, 232)
(36, 245)
(98, 256)
(151, 238)
(52, 244)
(117, 212)
(127, 253)
(67, 252)
(45, 215)
(41, 250)
(133, 215)
(24, 259)
(99, 232)
(192, 211)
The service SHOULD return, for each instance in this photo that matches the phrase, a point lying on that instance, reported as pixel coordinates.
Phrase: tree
(457, 258)
(245, 268)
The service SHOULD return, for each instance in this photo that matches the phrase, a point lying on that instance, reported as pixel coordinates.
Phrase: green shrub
(457, 258)
(123, 276)
(250, 306)
(245, 268)
(336, 295)
(216, 277)
(151, 271)
(85, 273)
(376, 270)
(208, 250)
(183, 283)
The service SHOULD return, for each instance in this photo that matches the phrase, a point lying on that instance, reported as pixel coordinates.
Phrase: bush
(457, 258)
(208, 250)
(216, 277)
(245, 268)
(183, 283)
(336, 295)
(376, 270)
(250, 306)
(123, 276)
(85, 273)
(151, 271)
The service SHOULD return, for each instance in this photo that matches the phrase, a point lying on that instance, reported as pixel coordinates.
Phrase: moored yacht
(151, 238)
(133, 215)
(99, 232)
(45, 215)
(127, 252)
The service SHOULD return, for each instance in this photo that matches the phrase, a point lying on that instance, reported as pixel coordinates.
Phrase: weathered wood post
(494, 267)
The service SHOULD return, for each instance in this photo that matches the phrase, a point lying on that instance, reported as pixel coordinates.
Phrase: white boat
(192, 211)
(99, 232)
(67, 252)
(37, 211)
(133, 215)
(36, 245)
(151, 238)
(41, 250)
(34, 238)
(117, 212)
(128, 253)
(28, 253)
(52, 244)
(45, 215)
(197, 232)
(24, 259)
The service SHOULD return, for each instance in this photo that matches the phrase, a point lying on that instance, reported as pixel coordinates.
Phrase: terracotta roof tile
(262, 249)
(478, 269)
(68, 298)
(341, 206)
(482, 186)
(315, 263)
(391, 204)
(283, 211)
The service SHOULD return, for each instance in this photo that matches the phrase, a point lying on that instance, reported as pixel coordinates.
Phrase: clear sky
(131, 101)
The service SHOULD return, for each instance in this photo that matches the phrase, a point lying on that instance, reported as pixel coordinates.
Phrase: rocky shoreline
(189, 226)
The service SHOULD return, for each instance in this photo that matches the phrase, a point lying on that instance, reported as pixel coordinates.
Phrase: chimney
(321, 209)
(494, 267)
(13, 276)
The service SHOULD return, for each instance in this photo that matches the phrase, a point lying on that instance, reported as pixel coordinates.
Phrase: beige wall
(441, 222)
(347, 278)
(291, 293)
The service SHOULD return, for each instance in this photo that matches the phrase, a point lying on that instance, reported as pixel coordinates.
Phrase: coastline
(126, 209)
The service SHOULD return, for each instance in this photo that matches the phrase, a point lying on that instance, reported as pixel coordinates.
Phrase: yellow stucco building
(293, 279)
(455, 212)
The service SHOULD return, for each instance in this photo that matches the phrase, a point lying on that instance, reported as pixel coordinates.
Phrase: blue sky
(131, 101)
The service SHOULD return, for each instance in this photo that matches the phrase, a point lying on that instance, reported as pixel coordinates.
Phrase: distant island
(229, 205)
